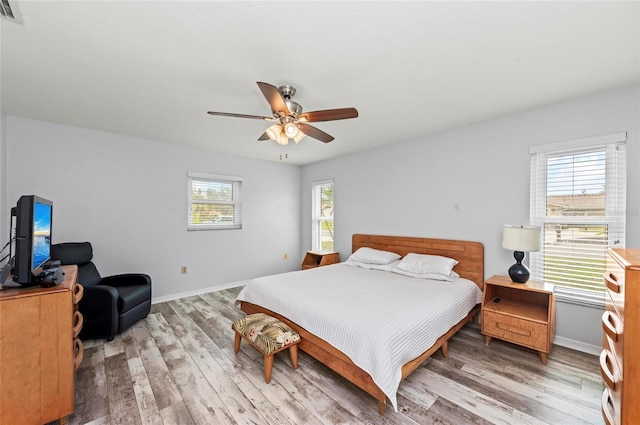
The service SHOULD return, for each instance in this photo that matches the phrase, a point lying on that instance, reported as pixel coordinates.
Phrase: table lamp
(520, 239)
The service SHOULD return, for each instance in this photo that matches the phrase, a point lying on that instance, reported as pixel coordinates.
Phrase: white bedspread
(381, 320)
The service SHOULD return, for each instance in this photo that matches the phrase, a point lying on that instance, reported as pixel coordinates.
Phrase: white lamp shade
(521, 238)
(298, 137)
(274, 131)
(282, 139)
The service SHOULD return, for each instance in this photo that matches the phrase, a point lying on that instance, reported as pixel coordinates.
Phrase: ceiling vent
(9, 12)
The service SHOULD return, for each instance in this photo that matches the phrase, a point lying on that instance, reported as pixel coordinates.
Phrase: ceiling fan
(290, 121)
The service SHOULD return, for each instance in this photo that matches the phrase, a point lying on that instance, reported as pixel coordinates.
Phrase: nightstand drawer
(523, 332)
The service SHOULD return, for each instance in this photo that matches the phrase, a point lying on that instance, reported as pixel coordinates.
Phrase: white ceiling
(153, 68)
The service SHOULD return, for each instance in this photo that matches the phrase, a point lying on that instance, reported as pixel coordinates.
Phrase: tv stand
(39, 351)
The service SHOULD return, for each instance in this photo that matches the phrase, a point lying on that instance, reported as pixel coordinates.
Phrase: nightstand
(521, 313)
(319, 258)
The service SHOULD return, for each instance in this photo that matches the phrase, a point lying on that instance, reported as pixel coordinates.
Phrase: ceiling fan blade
(329, 115)
(228, 114)
(274, 97)
(264, 136)
(315, 133)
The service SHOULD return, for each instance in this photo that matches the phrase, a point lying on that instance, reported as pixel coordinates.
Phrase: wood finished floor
(178, 367)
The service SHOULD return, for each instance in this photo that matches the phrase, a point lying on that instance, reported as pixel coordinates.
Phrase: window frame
(236, 183)
(316, 218)
(614, 146)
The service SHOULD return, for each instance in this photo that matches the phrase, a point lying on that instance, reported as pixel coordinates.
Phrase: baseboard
(578, 345)
(178, 295)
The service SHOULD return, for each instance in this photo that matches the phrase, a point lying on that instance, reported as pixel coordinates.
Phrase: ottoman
(269, 336)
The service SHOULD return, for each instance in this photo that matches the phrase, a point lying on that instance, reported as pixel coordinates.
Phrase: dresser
(620, 356)
(39, 351)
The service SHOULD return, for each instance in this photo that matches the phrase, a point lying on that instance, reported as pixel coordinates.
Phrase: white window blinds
(322, 215)
(578, 198)
(214, 202)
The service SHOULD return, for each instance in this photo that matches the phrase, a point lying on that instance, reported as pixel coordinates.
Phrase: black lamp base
(519, 273)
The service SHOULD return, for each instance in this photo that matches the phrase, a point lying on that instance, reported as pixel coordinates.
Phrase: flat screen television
(32, 238)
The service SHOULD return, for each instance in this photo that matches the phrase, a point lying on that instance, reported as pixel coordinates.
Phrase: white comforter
(381, 320)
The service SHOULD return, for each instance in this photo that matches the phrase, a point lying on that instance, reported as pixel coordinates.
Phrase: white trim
(587, 142)
(209, 176)
(185, 294)
(577, 345)
(325, 181)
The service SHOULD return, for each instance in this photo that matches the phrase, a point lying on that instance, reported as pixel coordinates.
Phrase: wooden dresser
(39, 351)
(620, 358)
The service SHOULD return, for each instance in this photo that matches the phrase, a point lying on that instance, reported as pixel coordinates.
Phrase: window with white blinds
(578, 198)
(322, 215)
(214, 202)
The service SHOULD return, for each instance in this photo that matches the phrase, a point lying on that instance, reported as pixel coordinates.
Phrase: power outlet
(183, 269)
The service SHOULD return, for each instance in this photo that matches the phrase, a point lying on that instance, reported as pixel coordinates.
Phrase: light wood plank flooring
(178, 367)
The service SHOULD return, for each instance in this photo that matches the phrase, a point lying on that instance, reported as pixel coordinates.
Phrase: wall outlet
(183, 269)
(286, 256)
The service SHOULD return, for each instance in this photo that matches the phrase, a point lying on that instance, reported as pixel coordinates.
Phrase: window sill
(583, 298)
(215, 227)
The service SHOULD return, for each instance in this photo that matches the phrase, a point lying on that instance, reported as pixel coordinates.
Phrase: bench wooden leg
(293, 352)
(268, 365)
(236, 343)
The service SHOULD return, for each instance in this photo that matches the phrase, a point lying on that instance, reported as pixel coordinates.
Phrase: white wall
(128, 196)
(468, 182)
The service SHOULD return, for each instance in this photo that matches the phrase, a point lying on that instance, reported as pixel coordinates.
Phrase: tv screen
(33, 237)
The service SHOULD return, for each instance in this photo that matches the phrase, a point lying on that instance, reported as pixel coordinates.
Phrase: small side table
(520, 313)
(319, 258)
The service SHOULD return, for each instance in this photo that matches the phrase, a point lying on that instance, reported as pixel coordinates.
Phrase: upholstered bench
(269, 336)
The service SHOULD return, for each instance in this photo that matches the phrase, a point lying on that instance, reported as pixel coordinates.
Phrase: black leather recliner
(110, 304)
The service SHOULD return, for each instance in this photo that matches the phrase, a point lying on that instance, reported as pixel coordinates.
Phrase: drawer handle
(607, 405)
(79, 350)
(513, 329)
(78, 292)
(609, 325)
(607, 369)
(611, 282)
(77, 323)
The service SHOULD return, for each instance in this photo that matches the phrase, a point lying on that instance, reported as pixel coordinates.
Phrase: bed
(291, 297)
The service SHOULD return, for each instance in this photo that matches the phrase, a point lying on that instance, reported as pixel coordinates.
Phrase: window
(578, 198)
(214, 202)
(322, 215)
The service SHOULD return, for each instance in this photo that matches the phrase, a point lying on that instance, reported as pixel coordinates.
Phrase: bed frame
(471, 266)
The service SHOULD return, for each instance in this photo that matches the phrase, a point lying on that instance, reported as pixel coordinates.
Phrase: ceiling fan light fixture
(274, 131)
(291, 130)
(282, 139)
(298, 137)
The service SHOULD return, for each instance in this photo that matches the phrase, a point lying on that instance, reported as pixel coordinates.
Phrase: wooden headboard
(469, 254)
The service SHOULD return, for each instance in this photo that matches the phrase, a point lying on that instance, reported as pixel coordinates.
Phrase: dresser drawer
(523, 332)
(613, 331)
(614, 281)
(610, 370)
(611, 407)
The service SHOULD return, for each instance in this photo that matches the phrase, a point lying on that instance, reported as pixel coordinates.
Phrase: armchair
(110, 304)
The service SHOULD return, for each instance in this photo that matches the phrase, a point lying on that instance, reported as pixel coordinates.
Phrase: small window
(214, 202)
(322, 215)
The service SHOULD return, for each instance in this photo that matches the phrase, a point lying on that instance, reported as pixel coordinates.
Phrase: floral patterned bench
(269, 336)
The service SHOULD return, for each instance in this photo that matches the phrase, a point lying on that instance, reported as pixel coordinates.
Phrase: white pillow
(384, 267)
(373, 256)
(433, 276)
(427, 264)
